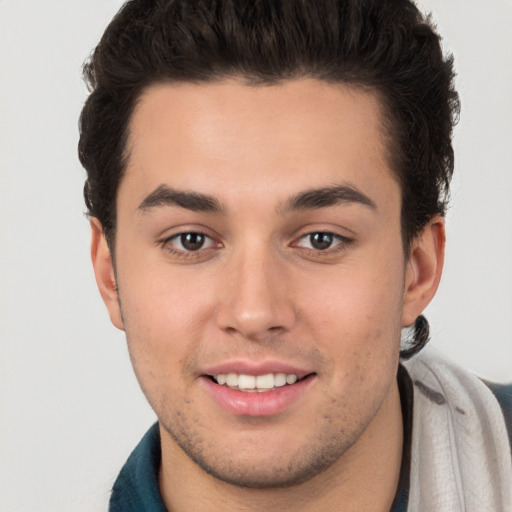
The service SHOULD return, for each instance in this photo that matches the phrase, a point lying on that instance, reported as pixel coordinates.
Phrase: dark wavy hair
(384, 46)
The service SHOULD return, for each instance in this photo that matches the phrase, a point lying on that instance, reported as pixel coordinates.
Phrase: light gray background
(70, 407)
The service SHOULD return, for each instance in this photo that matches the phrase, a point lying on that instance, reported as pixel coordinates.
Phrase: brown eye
(192, 241)
(189, 242)
(321, 241)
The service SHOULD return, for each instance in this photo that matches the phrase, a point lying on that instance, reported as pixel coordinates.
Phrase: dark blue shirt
(136, 488)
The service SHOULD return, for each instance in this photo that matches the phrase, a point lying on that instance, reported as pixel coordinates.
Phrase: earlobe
(104, 272)
(424, 269)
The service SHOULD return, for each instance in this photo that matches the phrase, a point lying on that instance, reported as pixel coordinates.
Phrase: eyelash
(342, 244)
(184, 253)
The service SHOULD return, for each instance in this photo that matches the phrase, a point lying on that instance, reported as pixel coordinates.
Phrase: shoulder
(503, 393)
(136, 488)
(442, 381)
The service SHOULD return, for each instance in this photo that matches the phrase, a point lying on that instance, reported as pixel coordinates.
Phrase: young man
(266, 184)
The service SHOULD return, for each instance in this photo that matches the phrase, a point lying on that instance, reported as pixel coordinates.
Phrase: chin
(263, 465)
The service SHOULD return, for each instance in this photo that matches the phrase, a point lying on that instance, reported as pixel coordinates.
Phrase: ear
(104, 272)
(424, 269)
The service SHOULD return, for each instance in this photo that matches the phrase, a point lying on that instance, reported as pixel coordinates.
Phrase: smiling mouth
(256, 383)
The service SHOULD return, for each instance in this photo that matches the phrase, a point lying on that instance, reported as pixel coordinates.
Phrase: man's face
(258, 241)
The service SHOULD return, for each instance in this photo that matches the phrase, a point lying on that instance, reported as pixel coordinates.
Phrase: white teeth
(232, 379)
(279, 380)
(291, 379)
(246, 382)
(260, 383)
(265, 381)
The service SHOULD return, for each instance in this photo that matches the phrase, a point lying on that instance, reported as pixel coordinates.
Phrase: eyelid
(342, 244)
(330, 228)
(178, 236)
(166, 242)
(339, 238)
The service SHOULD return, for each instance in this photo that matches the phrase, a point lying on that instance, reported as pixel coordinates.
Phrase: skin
(259, 290)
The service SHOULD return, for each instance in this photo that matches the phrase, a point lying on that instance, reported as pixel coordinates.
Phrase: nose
(256, 300)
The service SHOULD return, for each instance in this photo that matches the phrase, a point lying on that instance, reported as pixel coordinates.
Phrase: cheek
(355, 316)
(356, 302)
(163, 295)
(164, 318)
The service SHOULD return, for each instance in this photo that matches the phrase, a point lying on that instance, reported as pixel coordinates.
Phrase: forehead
(215, 137)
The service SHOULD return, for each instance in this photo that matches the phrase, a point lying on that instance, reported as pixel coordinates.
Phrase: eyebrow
(166, 196)
(328, 196)
(308, 200)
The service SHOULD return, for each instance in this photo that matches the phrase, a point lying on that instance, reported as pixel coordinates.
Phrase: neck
(365, 478)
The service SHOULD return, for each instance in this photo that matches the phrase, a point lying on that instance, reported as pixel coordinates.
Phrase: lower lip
(266, 403)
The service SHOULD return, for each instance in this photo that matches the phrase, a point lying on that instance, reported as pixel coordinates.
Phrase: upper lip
(252, 368)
